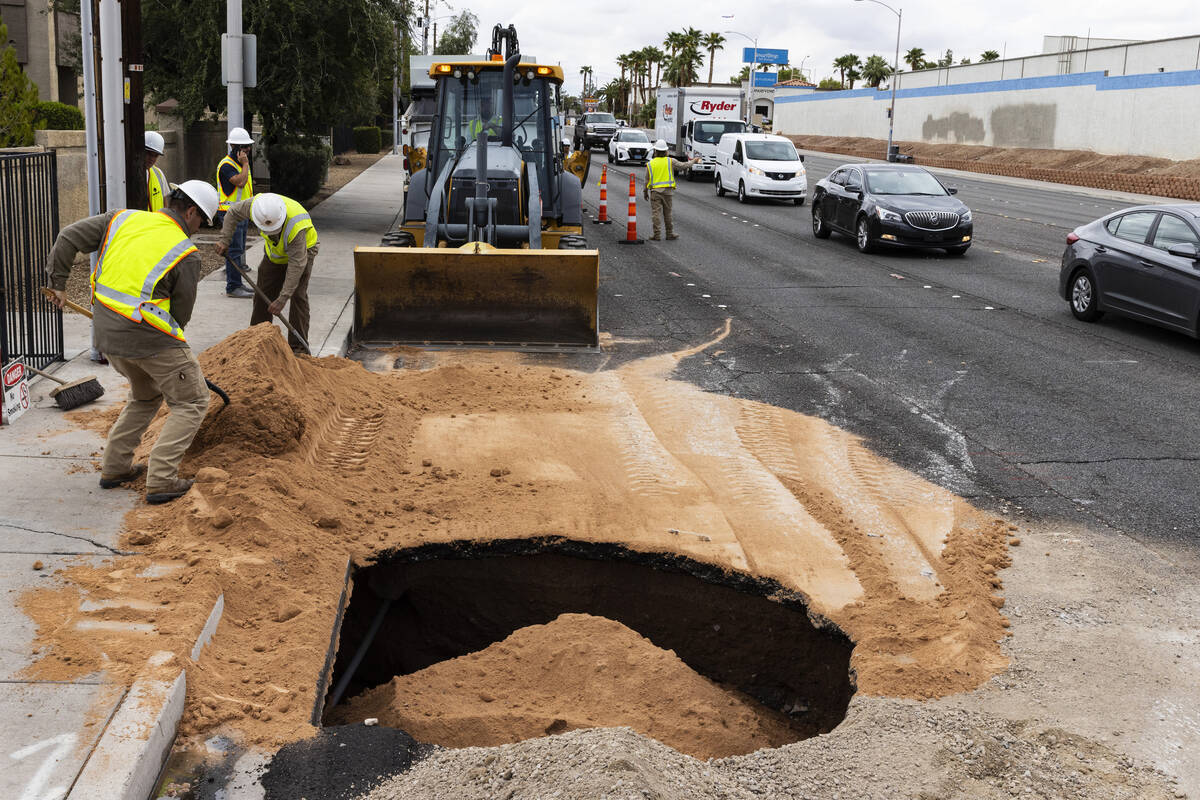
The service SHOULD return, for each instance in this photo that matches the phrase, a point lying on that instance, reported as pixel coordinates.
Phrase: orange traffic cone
(631, 231)
(603, 218)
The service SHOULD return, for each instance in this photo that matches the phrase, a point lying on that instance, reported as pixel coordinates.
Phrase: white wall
(1153, 114)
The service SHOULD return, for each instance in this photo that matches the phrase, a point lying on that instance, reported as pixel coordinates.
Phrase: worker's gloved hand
(221, 249)
(645, 194)
(277, 305)
(58, 297)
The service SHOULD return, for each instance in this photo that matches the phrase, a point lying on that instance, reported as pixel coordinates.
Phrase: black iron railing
(31, 328)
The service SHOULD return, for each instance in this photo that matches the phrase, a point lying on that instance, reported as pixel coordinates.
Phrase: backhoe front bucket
(475, 294)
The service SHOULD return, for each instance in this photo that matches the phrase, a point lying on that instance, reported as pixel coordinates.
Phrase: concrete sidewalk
(52, 510)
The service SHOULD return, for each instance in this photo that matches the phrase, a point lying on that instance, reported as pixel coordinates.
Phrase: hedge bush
(298, 167)
(57, 117)
(368, 139)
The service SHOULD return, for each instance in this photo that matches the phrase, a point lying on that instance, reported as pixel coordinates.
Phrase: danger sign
(16, 392)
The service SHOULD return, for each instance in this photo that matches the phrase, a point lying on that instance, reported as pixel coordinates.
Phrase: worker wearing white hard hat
(289, 249)
(234, 184)
(660, 188)
(143, 293)
(157, 186)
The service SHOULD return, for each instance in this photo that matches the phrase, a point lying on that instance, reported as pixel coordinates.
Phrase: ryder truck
(692, 120)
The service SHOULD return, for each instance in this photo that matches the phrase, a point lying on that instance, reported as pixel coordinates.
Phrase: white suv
(760, 165)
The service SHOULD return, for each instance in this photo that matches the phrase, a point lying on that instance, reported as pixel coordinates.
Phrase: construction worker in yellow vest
(289, 250)
(660, 188)
(486, 121)
(234, 183)
(157, 187)
(143, 291)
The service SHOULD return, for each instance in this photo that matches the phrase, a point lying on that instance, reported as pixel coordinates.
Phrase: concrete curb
(128, 759)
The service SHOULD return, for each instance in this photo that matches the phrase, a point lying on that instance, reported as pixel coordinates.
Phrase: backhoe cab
(489, 249)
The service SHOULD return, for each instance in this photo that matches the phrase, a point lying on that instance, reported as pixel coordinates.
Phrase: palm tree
(712, 42)
(657, 58)
(586, 72)
(915, 58)
(874, 70)
(989, 55)
(673, 41)
(652, 57)
(844, 64)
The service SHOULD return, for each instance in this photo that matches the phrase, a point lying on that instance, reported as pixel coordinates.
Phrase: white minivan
(760, 165)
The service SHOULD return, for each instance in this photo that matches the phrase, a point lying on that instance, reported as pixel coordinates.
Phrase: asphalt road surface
(970, 371)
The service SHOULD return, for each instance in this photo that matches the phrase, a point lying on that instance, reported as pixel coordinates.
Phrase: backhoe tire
(398, 239)
(573, 241)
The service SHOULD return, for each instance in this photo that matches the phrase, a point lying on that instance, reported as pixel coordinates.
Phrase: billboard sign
(765, 79)
(765, 55)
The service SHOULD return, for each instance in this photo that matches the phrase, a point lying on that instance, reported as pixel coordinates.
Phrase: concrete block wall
(1152, 114)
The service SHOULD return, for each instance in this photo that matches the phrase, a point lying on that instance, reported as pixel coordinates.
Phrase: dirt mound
(578, 671)
(319, 462)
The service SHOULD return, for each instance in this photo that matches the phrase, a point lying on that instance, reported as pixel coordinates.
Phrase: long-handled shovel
(87, 312)
(267, 300)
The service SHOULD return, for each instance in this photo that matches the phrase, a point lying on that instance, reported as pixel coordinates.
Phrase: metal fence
(32, 327)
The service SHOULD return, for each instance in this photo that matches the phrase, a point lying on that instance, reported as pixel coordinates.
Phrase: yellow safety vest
(659, 174)
(156, 187)
(493, 126)
(297, 220)
(138, 249)
(239, 192)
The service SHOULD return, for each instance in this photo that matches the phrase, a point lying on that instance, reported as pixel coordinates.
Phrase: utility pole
(233, 61)
(112, 90)
(395, 88)
(425, 32)
(87, 53)
(135, 115)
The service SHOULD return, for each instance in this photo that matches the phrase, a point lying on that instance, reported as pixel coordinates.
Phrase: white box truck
(693, 119)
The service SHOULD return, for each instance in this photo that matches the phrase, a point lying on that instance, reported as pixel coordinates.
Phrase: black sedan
(1143, 262)
(891, 204)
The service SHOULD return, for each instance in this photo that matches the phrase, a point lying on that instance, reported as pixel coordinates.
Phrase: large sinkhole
(416, 608)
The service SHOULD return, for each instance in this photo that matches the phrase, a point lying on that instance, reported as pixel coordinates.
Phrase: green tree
(586, 72)
(915, 58)
(320, 63)
(848, 63)
(712, 42)
(875, 69)
(830, 83)
(18, 98)
(459, 36)
(946, 60)
(655, 58)
(989, 55)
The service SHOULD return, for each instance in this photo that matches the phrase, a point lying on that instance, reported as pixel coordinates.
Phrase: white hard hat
(660, 144)
(154, 142)
(202, 194)
(239, 136)
(268, 212)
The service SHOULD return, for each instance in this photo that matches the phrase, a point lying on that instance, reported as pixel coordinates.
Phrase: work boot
(672, 236)
(166, 494)
(129, 477)
(240, 291)
(656, 238)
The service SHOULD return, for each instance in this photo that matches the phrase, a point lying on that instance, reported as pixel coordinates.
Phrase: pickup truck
(594, 129)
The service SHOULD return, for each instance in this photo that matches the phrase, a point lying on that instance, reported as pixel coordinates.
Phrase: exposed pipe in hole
(359, 654)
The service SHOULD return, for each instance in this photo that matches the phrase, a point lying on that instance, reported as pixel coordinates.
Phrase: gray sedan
(1143, 262)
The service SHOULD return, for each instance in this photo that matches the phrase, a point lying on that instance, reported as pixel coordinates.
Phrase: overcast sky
(578, 33)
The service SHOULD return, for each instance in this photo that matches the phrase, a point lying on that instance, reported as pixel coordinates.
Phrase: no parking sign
(16, 392)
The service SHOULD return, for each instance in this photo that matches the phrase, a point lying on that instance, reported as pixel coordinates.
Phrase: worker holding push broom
(144, 288)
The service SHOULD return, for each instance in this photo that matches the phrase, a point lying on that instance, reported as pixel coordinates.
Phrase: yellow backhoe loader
(489, 249)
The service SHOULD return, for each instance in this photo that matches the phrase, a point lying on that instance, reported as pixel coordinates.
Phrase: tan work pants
(660, 211)
(270, 280)
(173, 375)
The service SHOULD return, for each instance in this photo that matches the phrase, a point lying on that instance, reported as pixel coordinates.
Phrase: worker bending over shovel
(289, 250)
(143, 290)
